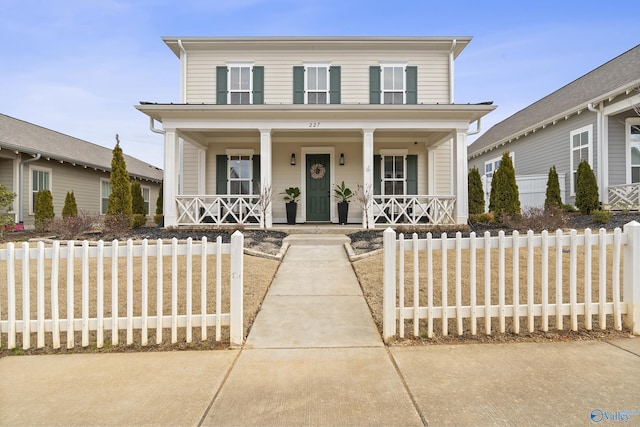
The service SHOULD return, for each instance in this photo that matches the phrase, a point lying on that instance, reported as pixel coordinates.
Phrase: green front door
(318, 187)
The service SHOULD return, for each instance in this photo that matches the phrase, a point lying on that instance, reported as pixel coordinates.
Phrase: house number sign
(314, 124)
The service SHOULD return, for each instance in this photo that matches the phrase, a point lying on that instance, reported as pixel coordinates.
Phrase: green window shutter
(412, 85)
(258, 85)
(374, 85)
(377, 174)
(221, 85)
(412, 174)
(221, 174)
(298, 85)
(334, 85)
(256, 174)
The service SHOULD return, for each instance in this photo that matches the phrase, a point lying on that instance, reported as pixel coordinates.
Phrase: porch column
(266, 187)
(460, 176)
(170, 181)
(431, 171)
(367, 178)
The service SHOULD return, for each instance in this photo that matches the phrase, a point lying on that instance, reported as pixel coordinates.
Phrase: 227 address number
(314, 124)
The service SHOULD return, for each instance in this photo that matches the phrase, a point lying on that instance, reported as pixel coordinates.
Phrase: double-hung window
(240, 179)
(393, 175)
(393, 84)
(105, 192)
(240, 83)
(317, 84)
(491, 166)
(40, 180)
(580, 151)
(146, 192)
(633, 138)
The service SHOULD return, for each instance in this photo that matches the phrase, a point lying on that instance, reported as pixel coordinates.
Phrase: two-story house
(258, 115)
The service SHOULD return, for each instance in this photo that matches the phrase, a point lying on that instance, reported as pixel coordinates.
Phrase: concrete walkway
(314, 357)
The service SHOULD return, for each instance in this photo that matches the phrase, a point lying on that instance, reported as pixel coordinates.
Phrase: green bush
(553, 197)
(568, 207)
(157, 218)
(138, 220)
(137, 200)
(601, 216)
(505, 197)
(43, 211)
(476, 192)
(586, 189)
(119, 211)
(70, 207)
(6, 206)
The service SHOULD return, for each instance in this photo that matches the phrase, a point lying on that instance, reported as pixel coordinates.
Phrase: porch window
(40, 180)
(317, 84)
(105, 192)
(634, 147)
(393, 84)
(240, 85)
(240, 174)
(580, 150)
(393, 175)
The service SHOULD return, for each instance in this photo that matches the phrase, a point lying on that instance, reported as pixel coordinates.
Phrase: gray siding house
(594, 118)
(34, 158)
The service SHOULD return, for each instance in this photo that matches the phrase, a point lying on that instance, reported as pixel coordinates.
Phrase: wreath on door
(317, 171)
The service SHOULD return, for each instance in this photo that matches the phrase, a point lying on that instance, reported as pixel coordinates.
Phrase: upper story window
(393, 81)
(580, 150)
(317, 84)
(240, 85)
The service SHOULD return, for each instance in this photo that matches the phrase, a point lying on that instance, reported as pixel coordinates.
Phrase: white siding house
(258, 115)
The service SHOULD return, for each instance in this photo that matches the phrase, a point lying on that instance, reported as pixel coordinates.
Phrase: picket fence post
(389, 285)
(236, 332)
(631, 279)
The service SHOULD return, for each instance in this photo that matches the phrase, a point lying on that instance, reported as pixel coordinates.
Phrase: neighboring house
(258, 115)
(34, 158)
(594, 118)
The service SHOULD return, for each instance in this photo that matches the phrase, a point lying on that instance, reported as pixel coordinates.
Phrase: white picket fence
(46, 263)
(409, 292)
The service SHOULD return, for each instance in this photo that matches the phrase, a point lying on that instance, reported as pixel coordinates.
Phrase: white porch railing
(506, 278)
(626, 196)
(434, 210)
(218, 209)
(106, 288)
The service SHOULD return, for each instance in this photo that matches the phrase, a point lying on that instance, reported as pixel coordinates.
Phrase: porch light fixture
(293, 159)
(341, 159)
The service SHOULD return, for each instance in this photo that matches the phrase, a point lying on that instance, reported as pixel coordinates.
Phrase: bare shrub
(72, 227)
(536, 219)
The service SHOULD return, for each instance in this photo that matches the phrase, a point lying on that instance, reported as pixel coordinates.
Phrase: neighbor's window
(317, 84)
(634, 147)
(393, 84)
(40, 180)
(580, 150)
(240, 82)
(146, 191)
(491, 166)
(105, 192)
(240, 174)
(393, 175)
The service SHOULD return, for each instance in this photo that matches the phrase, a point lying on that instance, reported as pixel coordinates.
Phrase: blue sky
(80, 66)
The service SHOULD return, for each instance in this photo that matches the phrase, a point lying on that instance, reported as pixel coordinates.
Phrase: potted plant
(343, 194)
(291, 196)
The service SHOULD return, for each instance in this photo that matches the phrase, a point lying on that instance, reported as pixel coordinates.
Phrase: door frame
(303, 179)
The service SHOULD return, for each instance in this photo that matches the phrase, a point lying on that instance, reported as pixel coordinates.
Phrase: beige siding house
(34, 158)
(258, 115)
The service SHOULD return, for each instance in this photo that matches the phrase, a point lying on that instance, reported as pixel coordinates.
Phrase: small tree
(43, 211)
(587, 198)
(157, 218)
(553, 198)
(6, 206)
(476, 192)
(505, 197)
(137, 205)
(119, 206)
(70, 207)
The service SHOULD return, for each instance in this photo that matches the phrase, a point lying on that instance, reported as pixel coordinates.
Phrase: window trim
(49, 171)
(102, 180)
(325, 65)
(384, 65)
(231, 65)
(241, 153)
(395, 153)
(631, 121)
(573, 168)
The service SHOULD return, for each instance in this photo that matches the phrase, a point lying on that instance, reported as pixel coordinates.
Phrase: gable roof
(21, 136)
(610, 79)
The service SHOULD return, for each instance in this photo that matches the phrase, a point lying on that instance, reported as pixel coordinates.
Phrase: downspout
(451, 68)
(21, 187)
(153, 128)
(478, 127)
(602, 164)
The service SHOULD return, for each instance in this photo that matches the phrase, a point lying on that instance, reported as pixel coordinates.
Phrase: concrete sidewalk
(314, 357)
